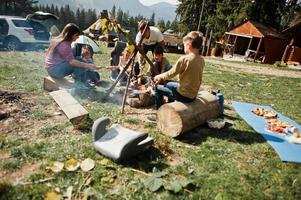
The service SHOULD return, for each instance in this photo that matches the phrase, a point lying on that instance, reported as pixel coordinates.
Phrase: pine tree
(119, 17)
(17, 7)
(152, 20)
(113, 11)
(161, 25)
(167, 25)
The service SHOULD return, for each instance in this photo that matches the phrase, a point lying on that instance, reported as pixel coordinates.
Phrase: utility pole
(200, 19)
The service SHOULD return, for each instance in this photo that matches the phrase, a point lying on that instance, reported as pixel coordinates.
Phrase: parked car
(173, 42)
(17, 33)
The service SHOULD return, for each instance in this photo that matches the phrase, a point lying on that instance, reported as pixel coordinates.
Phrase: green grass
(11, 164)
(232, 163)
(39, 114)
(50, 130)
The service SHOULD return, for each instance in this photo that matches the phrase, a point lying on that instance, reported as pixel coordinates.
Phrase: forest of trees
(218, 15)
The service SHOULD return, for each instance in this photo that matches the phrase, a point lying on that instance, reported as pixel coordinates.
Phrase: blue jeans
(65, 69)
(170, 90)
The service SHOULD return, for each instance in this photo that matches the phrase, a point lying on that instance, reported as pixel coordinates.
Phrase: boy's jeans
(170, 90)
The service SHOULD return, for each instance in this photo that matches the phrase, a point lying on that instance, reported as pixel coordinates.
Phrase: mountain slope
(133, 6)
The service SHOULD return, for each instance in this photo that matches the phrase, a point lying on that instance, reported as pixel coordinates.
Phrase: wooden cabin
(292, 53)
(255, 42)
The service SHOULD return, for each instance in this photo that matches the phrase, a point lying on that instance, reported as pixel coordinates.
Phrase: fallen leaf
(87, 164)
(153, 183)
(56, 166)
(174, 186)
(104, 162)
(72, 164)
(52, 195)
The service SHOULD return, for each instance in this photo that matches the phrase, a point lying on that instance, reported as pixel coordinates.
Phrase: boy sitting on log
(190, 70)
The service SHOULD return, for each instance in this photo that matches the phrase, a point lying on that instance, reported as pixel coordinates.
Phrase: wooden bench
(52, 84)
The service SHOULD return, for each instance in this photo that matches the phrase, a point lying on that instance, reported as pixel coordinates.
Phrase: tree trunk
(176, 118)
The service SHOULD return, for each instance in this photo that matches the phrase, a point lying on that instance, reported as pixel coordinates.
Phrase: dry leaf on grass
(87, 165)
(104, 162)
(56, 167)
(72, 164)
(52, 195)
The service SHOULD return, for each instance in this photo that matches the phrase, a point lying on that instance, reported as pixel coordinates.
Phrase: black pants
(147, 48)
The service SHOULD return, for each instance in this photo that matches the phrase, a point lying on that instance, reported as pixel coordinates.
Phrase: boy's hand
(156, 78)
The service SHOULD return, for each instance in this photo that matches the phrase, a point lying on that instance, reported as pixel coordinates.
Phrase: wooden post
(250, 43)
(127, 87)
(258, 47)
(204, 42)
(209, 44)
(234, 45)
(200, 19)
(287, 48)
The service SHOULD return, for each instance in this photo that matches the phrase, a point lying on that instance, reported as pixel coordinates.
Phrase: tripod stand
(130, 62)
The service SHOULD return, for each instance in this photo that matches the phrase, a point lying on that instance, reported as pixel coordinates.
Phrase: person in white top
(151, 38)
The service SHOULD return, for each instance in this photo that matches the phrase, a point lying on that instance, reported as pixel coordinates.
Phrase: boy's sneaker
(152, 119)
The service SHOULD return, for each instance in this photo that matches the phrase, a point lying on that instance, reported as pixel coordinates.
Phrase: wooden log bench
(52, 84)
(176, 118)
(75, 112)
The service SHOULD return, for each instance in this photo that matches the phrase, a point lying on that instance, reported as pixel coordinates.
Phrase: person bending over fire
(151, 38)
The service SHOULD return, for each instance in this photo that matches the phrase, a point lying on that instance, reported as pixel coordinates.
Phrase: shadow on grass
(200, 134)
(147, 161)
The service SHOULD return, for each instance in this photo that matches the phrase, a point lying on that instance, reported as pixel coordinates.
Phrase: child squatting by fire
(142, 89)
(88, 77)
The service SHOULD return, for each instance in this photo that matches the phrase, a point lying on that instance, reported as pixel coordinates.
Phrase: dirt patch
(249, 68)
(20, 175)
(19, 109)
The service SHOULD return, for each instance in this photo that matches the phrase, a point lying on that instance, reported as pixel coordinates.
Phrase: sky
(151, 2)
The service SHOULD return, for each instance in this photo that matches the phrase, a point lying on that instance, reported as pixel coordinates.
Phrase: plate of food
(275, 129)
(278, 122)
(268, 114)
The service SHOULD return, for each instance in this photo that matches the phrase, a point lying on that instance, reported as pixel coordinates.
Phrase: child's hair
(86, 47)
(196, 39)
(159, 50)
(66, 35)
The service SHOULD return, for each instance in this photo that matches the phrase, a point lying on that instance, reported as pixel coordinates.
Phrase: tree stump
(176, 118)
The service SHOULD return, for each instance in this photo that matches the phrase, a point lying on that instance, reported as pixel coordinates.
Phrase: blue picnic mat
(287, 151)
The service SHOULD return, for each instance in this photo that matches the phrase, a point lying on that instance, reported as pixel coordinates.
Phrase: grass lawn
(232, 163)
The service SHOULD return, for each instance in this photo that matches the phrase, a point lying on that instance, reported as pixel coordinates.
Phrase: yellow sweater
(190, 70)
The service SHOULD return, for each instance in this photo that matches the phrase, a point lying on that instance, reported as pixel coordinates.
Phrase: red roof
(252, 28)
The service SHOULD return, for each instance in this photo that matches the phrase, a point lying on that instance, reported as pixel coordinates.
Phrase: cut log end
(168, 121)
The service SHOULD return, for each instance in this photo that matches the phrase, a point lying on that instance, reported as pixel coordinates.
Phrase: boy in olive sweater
(190, 70)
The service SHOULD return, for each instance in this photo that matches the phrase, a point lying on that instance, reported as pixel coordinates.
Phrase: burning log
(176, 118)
(141, 97)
